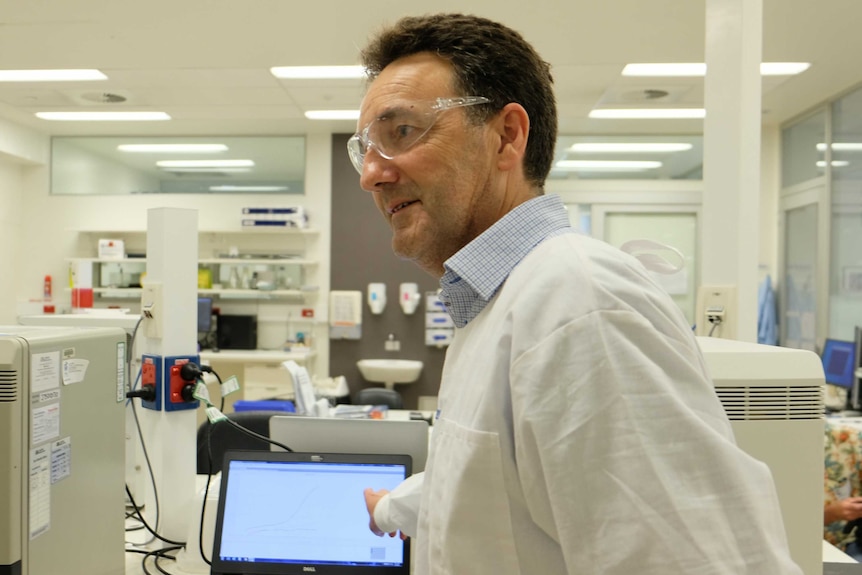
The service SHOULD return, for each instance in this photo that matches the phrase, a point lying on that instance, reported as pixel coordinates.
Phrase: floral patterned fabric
(843, 469)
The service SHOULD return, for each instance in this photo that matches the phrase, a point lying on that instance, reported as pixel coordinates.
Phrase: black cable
(715, 321)
(150, 529)
(251, 433)
(156, 555)
(147, 460)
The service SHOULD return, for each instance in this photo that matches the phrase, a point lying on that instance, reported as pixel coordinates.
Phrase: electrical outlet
(151, 375)
(152, 309)
(174, 400)
(716, 311)
(392, 345)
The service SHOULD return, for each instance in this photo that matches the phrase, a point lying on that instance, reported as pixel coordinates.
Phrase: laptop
(335, 435)
(290, 513)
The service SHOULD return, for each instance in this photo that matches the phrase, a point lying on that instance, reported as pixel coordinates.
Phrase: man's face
(436, 195)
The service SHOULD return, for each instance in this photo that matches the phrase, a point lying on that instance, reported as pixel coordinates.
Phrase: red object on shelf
(82, 297)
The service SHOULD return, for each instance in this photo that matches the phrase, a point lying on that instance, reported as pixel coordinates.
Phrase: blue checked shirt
(475, 273)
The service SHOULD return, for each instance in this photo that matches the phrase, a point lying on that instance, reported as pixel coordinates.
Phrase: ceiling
(206, 62)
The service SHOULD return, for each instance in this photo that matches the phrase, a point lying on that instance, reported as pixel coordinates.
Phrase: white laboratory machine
(136, 469)
(773, 397)
(62, 394)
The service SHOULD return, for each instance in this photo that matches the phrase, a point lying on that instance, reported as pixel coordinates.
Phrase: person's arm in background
(846, 509)
(396, 510)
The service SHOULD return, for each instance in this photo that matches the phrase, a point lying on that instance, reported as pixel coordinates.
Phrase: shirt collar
(475, 273)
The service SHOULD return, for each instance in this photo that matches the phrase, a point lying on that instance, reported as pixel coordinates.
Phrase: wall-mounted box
(437, 319)
(433, 303)
(439, 337)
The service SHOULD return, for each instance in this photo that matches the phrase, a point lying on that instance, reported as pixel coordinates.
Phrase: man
(578, 431)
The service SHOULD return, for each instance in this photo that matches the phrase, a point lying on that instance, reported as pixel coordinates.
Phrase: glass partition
(845, 273)
(177, 165)
(803, 149)
(628, 158)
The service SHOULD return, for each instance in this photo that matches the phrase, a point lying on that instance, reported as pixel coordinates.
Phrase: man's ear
(513, 128)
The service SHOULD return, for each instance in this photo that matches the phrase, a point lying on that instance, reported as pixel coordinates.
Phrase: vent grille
(8, 386)
(757, 403)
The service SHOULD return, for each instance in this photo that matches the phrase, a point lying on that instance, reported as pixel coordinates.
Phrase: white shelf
(257, 261)
(135, 293)
(242, 231)
(208, 261)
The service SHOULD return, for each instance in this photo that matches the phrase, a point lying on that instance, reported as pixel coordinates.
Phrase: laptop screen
(297, 513)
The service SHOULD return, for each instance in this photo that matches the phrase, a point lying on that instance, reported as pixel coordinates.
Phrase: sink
(390, 371)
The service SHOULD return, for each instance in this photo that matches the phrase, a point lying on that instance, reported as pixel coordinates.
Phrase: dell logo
(308, 569)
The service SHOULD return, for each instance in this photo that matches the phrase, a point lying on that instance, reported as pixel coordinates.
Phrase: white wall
(11, 183)
(770, 182)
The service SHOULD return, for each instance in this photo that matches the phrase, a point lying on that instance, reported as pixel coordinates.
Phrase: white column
(172, 256)
(730, 230)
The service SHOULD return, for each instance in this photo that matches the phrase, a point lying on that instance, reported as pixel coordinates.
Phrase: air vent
(8, 386)
(759, 403)
(644, 95)
(104, 97)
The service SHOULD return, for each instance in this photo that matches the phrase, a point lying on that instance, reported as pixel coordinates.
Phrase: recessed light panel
(332, 114)
(628, 147)
(103, 116)
(172, 148)
(318, 72)
(648, 113)
(691, 69)
(77, 75)
(609, 165)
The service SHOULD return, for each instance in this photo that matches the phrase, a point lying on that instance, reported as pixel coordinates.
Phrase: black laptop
(297, 513)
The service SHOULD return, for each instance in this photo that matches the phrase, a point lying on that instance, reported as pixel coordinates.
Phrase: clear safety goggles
(399, 128)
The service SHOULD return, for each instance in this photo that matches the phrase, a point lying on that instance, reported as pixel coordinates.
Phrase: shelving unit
(280, 261)
(285, 274)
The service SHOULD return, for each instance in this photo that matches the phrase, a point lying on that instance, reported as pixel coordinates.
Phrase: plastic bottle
(47, 305)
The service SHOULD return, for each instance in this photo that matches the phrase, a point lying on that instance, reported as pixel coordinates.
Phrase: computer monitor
(205, 314)
(839, 362)
(854, 392)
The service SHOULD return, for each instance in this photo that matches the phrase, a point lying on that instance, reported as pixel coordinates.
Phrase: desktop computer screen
(205, 314)
(839, 362)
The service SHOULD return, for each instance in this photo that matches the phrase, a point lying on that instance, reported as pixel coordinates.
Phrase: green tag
(202, 393)
(214, 415)
(229, 386)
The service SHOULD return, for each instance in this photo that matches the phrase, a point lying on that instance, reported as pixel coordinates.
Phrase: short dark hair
(489, 60)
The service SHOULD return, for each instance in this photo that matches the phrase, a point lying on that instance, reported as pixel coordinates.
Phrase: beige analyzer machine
(773, 397)
(62, 398)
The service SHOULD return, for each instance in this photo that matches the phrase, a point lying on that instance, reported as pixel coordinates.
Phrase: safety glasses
(397, 129)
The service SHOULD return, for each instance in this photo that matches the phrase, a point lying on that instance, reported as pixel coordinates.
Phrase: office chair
(217, 438)
(380, 396)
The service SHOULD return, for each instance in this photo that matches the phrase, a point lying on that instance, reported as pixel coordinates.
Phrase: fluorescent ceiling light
(248, 188)
(626, 147)
(318, 72)
(172, 148)
(648, 113)
(206, 170)
(842, 147)
(50, 75)
(332, 114)
(679, 69)
(103, 116)
(835, 164)
(699, 69)
(783, 68)
(598, 165)
(205, 163)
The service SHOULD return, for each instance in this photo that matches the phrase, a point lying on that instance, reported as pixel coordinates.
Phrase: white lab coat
(579, 434)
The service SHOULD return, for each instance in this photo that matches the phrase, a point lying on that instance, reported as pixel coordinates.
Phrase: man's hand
(371, 499)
